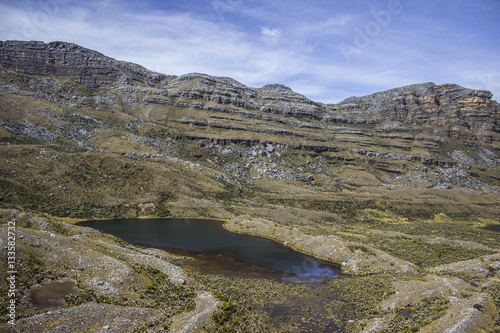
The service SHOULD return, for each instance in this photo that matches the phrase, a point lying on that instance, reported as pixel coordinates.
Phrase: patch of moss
(417, 315)
(172, 298)
(363, 293)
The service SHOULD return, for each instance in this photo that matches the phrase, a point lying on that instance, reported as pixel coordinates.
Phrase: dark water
(493, 227)
(220, 251)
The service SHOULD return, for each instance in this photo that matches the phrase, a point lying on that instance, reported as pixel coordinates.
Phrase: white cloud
(170, 43)
(332, 26)
(274, 33)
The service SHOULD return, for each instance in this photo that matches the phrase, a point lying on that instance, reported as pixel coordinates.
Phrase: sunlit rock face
(442, 105)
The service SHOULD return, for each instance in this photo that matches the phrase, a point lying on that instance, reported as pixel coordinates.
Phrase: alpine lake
(218, 251)
(271, 281)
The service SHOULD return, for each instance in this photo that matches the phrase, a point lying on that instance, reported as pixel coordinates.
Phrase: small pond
(219, 251)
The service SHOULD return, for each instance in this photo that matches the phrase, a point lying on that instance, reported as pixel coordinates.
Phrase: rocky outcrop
(461, 307)
(443, 105)
(87, 67)
(208, 90)
(273, 98)
(279, 99)
(201, 316)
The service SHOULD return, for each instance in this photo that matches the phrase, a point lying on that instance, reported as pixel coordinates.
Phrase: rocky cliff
(63, 95)
(87, 67)
(443, 105)
(449, 106)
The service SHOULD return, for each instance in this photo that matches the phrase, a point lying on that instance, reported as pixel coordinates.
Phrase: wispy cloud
(330, 26)
(274, 33)
(282, 41)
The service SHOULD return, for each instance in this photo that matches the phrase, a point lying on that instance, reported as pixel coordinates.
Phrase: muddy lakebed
(214, 250)
(50, 294)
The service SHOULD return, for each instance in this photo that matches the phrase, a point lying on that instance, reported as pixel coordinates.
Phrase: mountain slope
(410, 174)
(101, 115)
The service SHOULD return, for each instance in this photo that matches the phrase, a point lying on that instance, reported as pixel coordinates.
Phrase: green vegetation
(415, 316)
(164, 294)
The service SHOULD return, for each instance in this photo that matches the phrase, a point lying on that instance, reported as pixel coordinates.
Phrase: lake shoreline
(203, 238)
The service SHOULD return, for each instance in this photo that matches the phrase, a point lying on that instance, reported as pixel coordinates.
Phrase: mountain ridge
(54, 59)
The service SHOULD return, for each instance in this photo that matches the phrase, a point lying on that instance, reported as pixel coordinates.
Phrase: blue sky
(327, 50)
